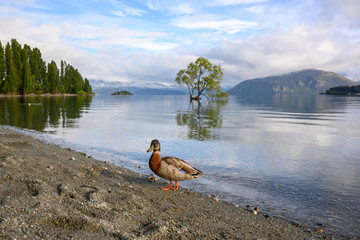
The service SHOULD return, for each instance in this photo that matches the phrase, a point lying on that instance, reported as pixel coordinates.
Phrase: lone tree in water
(202, 78)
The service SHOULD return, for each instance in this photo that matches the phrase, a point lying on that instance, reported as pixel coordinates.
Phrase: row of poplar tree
(23, 71)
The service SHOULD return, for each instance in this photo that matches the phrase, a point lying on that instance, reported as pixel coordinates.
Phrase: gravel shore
(50, 192)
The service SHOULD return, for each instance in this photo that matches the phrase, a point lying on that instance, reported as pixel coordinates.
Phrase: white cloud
(234, 2)
(127, 11)
(184, 8)
(214, 23)
(304, 46)
(256, 9)
(151, 50)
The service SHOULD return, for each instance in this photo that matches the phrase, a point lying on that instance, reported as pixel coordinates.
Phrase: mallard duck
(170, 168)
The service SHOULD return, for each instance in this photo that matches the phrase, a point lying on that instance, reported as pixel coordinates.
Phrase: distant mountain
(102, 87)
(305, 81)
(97, 84)
(156, 91)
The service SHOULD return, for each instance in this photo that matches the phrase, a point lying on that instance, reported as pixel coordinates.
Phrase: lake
(294, 157)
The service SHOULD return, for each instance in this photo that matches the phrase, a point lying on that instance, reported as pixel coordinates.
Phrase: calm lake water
(295, 157)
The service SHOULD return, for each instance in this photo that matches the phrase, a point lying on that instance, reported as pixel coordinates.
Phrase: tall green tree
(53, 83)
(38, 68)
(27, 85)
(87, 86)
(9, 83)
(2, 66)
(202, 78)
(17, 64)
(62, 76)
(23, 71)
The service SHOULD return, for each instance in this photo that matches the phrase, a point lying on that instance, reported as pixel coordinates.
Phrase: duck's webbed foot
(176, 186)
(169, 187)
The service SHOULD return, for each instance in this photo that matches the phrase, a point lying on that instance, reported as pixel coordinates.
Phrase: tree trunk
(197, 98)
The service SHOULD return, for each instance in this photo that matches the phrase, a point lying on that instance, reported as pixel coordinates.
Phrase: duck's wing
(182, 165)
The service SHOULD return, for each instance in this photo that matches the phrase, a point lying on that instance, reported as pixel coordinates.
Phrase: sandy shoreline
(50, 192)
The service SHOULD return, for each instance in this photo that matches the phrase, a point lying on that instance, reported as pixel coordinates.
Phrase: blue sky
(145, 43)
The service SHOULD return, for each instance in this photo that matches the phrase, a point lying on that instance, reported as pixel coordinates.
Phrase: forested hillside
(344, 90)
(23, 71)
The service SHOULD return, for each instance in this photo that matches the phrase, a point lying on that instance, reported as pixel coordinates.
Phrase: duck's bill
(150, 149)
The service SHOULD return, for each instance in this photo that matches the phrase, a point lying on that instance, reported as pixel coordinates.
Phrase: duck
(170, 168)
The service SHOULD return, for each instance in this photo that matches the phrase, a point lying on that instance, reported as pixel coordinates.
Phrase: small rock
(119, 172)
(217, 199)
(320, 231)
(236, 205)
(151, 178)
(99, 205)
(163, 229)
(296, 224)
(254, 211)
(72, 158)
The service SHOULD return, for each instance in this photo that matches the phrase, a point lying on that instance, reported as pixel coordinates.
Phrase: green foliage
(87, 86)
(344, 90)
(81, 93)
(2, 65)
(53, 82)
(202, 78)
(23, 71)
(27, 86)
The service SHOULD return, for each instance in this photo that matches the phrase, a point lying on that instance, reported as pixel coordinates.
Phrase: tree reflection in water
(202, 119)
(40, 112)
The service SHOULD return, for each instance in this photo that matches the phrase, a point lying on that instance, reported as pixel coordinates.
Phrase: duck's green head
(154, 146)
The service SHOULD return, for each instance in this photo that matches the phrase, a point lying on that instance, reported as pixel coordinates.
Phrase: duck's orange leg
(176, 186)
(168, 188)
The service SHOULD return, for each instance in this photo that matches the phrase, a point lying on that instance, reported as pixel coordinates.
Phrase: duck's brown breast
(155, 163)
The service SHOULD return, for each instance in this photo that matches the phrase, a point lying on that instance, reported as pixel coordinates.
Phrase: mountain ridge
(303, 81)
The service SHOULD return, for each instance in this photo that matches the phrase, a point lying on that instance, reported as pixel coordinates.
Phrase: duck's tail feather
(197, 174)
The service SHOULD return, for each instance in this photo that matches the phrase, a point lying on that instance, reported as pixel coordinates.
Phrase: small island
(122, 93)
(344, 90)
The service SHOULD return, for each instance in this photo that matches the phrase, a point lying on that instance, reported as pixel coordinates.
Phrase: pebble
(216, 199)
(255, 210)
(151, 178)
(72, 158)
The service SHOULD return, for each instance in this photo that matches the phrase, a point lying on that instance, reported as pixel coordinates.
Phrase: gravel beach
(50, 192)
